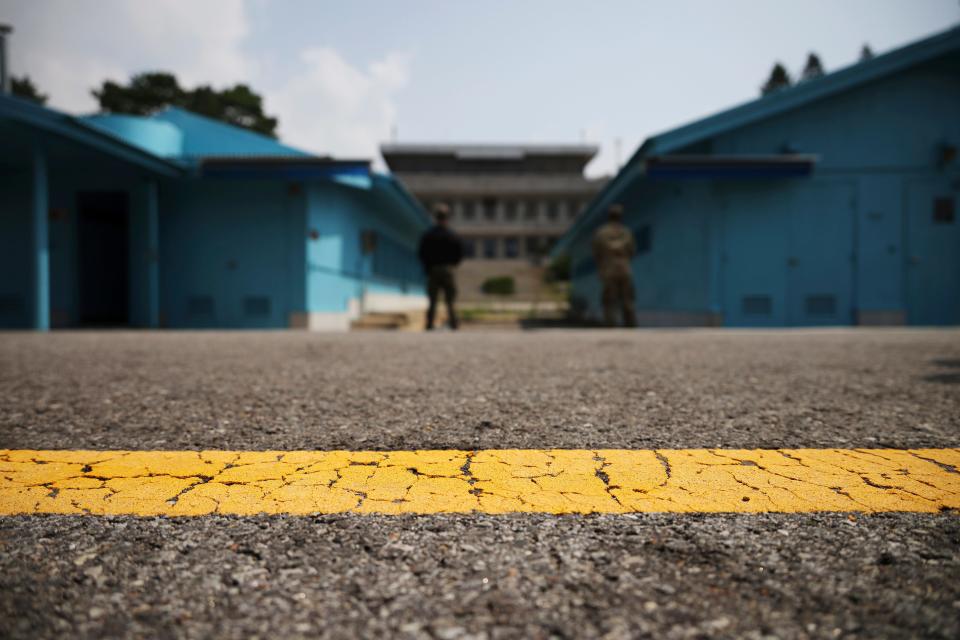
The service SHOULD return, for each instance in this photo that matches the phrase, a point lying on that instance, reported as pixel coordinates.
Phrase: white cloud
(70, 46)
(325, 104)
(333, 107)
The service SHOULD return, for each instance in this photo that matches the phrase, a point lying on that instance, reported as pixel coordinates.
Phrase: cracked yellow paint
(558, 481)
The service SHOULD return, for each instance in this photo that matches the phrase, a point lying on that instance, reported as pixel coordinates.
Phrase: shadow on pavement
(944, 378)
(947, 362)
(947, 377)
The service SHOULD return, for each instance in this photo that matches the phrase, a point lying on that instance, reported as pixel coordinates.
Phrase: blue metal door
(820, 262)
(932, 251)
(754, 246)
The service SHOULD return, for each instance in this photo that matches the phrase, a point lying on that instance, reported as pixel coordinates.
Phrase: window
(489, 248)
(531, 211)
(510, 211)
(573, 208)
(511, 247)
(533, 246)
(553, 211)
(368, 241)
(644, 238)
(469, 248)
(468, 211)
(944, 210)
(490, 209)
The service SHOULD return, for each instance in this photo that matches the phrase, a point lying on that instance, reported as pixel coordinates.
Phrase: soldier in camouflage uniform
(613, 247)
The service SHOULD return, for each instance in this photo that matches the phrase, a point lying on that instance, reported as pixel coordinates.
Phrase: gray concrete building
(510, 203)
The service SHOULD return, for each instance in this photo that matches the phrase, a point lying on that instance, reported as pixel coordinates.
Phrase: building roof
(25, 112)
(192, 136)
(471, 151)
(765, 107)
(207, 137)
(161, 143)
(395, 193)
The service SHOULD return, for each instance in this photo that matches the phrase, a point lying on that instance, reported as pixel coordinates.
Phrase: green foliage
(499, 285)
(558, 270)
(813, 68)
(23, 87)
(779, 79)
(148, 93)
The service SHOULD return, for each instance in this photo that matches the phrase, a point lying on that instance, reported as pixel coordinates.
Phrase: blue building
(832, 202)
(176, 220)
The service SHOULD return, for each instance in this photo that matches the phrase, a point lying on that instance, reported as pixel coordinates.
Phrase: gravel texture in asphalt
(564, 389)
(669, 575)
(689, 576)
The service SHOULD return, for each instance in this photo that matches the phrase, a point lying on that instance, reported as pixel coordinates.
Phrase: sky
(345, 76)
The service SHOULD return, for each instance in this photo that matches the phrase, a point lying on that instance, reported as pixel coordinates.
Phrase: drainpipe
(5, 29)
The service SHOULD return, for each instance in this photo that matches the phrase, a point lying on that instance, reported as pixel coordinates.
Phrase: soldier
(441, 251)
(613, 247)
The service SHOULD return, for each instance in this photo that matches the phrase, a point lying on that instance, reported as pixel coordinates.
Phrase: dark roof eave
(419, 217)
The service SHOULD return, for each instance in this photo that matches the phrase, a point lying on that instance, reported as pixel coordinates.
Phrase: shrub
(499, 285)
(558, 270)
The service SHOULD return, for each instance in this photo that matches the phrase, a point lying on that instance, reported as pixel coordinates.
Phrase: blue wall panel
(932, 249)
(820, 255)
(338, 269)
(224, 254)
(879, 250)
(755, 249)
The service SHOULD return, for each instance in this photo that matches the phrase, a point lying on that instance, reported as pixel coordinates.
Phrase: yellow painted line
(557, 481)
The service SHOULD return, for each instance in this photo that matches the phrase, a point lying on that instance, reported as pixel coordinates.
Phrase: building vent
(200, 306)
(821, 305)
(757, 305)
(256, 306)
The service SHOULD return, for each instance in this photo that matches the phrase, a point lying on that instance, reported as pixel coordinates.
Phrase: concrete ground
(773, 575)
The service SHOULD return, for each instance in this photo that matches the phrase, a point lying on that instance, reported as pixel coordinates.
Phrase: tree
(779, 79)
(866, 53)
(148, 93)
(813, 68)
(23, 87)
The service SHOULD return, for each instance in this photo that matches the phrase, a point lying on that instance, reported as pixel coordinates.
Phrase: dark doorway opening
(104, 258)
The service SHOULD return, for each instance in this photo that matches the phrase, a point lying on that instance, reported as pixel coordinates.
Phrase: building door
(932, 252)
(788, 255)
(104, 258)
(754, 246)
(820, 262)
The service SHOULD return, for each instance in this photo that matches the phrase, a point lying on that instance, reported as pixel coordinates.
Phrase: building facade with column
(509, 203)
(176, 220)
(831, 202)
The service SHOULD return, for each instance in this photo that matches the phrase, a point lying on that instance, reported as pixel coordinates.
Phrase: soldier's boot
(609, 305)
(629, 315)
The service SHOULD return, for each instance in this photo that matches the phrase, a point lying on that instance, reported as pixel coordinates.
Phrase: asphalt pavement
(471, 575)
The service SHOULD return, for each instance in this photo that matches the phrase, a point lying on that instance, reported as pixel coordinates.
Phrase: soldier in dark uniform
(440, 251)
(613, 247)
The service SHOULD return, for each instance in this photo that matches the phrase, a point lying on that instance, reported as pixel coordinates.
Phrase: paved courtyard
(788, 575)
